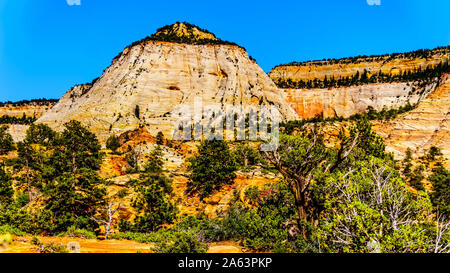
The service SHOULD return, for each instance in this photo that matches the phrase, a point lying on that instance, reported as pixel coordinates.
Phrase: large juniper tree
(213, 167)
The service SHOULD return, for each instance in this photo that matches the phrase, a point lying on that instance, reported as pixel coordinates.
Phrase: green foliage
(6, 189)
(75, 191)
(420, 54)
(181, 242)
(155, 162)
(371, 203)
(440, 179)
(152, 203)
(78, 233)
(266, 225)
(5, 119)
(417, 75)
(52, 248)
(245, 156)
(40, 134)
(369, 143)
(6, 140)
(38, 102)
(213, 167)
(407, 162)
(113, 143)
(7, 229)
(74, 199)
(160, 138)
(78, 148)
(434, 153)
(137, 112)
(416, 177)
(290, 126)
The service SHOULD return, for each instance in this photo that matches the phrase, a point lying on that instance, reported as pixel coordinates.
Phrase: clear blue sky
(47, 46)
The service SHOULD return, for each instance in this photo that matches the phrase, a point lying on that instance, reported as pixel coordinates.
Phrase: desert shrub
(53, 248)
(113, 143)
(7, 229)
(78, 233)
(181, 242)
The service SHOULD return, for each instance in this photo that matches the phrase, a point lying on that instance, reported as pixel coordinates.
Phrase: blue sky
(47, 46)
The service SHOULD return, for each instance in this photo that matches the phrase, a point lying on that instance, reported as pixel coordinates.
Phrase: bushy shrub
(7, 229)
(181, 242)
(113, 143)
(78, 233)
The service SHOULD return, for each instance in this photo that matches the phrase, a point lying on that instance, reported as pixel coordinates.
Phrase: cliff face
(389, 85)
(29, 109)
(425, 126)
(160, 77)
(346, 101)
(391, 64)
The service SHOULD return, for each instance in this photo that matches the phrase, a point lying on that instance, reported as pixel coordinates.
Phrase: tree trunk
(301, 207)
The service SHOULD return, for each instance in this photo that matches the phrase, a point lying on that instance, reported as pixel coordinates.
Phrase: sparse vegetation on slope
(185, 33)
(416, 54)
(417, 75)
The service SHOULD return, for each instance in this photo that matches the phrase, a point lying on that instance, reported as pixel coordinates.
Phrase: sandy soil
(23, 245)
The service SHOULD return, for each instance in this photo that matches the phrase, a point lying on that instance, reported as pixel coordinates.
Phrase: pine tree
(6, 140)
(213, 167)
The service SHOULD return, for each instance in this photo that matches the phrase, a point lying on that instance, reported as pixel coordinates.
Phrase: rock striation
(346, 101)
(355, 98)
(425, 126)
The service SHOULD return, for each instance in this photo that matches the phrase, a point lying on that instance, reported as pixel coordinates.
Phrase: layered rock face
(151, 79)
(392, 64)
(427, 125)
(28, 110)
(346, 101)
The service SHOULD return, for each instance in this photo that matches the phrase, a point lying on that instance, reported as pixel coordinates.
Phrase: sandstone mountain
(153, 77)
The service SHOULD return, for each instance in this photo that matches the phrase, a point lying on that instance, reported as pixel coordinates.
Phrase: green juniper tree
(213, 167)
(6, 189)
(113, 143)
(6, 140)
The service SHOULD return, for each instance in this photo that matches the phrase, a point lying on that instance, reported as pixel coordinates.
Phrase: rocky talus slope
(157, 78)
(425, 126)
